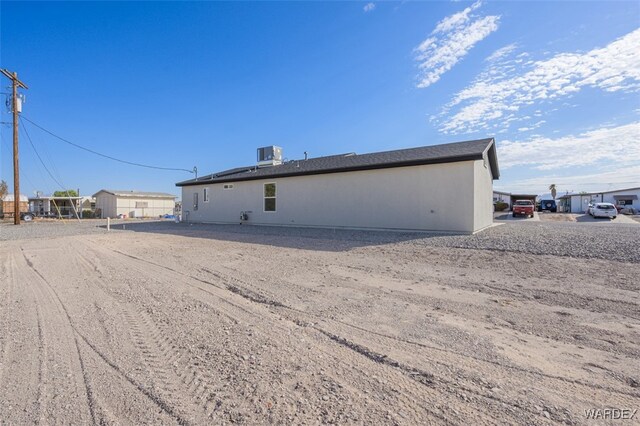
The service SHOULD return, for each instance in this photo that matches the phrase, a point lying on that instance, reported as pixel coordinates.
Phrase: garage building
(433, 188)
(111, 203)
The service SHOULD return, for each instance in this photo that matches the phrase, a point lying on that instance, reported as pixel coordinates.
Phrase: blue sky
(183, 84)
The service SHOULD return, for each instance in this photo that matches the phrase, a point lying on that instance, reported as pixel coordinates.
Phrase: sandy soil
(147, 328)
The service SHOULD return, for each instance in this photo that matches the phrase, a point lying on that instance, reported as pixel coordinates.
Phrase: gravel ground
(609, 241)
(200, 324)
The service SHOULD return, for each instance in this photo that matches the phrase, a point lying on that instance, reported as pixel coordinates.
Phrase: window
(195, 201)
(228, 186)
(205, 195)
(269, 197)
(142, 204)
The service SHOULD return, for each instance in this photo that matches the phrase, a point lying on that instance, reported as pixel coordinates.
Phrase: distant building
(510, 198)
(55, 206)
(7, 205)
(111, 203)
(502, 197)
(88, 203)
(578, 203)
(431, 188)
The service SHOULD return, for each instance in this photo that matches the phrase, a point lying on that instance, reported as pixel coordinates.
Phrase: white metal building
(578, 203)
(503, 197)
(440, 188)
(112, 203)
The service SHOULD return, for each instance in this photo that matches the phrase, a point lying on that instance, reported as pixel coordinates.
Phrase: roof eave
(492, 154)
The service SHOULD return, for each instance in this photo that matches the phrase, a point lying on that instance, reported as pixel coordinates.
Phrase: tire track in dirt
(230, 282)
(177, 377)
(421, 377)
(42, 372)
(566, 385)
(6, 310)
(160, 352)
(22, 357)
(43, 300)
(91, 401)
(556, 327)
(563, 385)
(135, 263)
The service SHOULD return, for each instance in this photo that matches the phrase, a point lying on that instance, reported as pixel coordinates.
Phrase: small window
(228, 186)
(142, 204)
(195, 201)
(205, 195)
(269, 197)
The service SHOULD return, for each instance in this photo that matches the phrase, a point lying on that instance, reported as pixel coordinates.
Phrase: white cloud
(369, 7)
(616, 145)
(500, 53)
(510, 85)
(450, 41)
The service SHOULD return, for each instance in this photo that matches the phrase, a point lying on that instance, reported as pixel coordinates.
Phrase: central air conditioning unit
(269, 156)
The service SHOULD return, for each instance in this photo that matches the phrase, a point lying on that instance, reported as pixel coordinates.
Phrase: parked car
(523, 207)
(626, 209)
(604, 210)
(548, 205)
(590, 208)
(26, 216)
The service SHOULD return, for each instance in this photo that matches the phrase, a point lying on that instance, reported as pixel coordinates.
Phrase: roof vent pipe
(305, 155)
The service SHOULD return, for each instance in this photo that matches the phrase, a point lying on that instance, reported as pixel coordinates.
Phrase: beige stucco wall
(112, 206)
(430, 197)
(483, 195)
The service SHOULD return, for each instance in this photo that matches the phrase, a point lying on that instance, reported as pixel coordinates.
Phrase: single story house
(54, 205)
(578, 203)
(432, 188)
(111, 203)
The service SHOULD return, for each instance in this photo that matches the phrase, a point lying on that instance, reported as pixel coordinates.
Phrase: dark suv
(548, 205)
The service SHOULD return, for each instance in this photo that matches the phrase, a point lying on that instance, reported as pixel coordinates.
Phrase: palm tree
(552, 188)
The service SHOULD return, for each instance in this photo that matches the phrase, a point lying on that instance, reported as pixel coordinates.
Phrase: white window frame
(205, 195)
(264, 197)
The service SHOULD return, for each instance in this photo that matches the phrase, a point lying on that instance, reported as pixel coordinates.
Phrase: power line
(104, 155)
(24, 128)
(40, 158)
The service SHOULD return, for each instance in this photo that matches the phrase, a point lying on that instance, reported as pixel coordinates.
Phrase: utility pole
(16, 171)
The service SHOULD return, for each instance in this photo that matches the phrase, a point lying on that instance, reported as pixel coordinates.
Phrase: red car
(523, 207)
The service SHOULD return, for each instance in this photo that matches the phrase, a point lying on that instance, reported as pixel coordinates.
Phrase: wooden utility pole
(16, 171)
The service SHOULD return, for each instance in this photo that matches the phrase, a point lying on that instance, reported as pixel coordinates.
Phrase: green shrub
(501, 206)
(88, 214)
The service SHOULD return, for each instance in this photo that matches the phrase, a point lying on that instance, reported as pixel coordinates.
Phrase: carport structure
(515, 197)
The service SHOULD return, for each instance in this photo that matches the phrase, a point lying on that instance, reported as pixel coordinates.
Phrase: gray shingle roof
(434, 154)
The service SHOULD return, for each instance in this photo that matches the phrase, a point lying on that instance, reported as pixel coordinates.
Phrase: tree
(552, 188)
(4, 189)
(67, 193)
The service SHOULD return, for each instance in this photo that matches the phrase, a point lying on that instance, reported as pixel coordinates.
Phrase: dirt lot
(210, 325)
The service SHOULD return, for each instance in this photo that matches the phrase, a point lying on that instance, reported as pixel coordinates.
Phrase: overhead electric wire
(24, 128)
(22, 172)
(132, 163)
